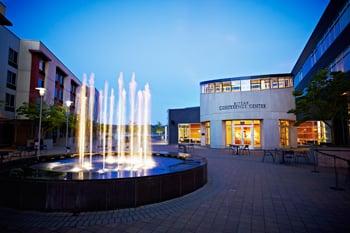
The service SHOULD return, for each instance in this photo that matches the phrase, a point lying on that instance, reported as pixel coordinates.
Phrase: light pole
(68, 104)
(41, 93)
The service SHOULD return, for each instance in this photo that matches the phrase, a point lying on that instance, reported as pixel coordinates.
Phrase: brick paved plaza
(242, 195)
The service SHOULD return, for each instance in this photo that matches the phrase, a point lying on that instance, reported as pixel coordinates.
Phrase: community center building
(253, 110)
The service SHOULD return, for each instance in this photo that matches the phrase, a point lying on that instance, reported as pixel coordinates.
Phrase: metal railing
(316, 152)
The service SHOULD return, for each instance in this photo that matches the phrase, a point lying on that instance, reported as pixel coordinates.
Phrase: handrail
(333, 156)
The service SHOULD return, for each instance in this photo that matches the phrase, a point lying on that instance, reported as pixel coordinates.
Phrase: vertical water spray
(110, 125)
(91, 113)
(139, 124)
(119, 124)
(132, 89)
(146, 123)
(123, 125)
(105, 99)
(100, 117)
(82, 121)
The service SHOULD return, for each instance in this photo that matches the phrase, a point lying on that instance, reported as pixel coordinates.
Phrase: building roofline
(246, 77)
(54, 55)
(171, 109)
(5, 21)
(327, 18)
(14, 34)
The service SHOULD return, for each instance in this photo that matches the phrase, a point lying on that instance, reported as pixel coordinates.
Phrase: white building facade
(248, 111)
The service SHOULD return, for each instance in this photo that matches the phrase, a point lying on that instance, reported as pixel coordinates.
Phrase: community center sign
(242, 105)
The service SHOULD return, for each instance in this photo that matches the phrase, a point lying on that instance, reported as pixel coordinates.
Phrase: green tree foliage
(324, 99)
(52, 116)
(159, 128)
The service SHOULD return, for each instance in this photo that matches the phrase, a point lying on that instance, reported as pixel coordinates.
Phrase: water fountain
(114, 166)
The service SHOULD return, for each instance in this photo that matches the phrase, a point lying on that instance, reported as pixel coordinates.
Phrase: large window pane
(218, 87)
(274, 83)
(236, 85)
(245, 85)
(255, 84)
(265, 84)
(226, 86)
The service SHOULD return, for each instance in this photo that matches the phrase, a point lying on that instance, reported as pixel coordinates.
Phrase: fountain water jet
(91, 114)
(134, 153)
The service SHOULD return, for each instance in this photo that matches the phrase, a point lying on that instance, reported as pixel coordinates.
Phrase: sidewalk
(242, 195)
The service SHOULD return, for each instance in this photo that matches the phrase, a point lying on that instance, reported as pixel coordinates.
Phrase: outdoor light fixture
(41, 90)
(69, 103)
(41, 93)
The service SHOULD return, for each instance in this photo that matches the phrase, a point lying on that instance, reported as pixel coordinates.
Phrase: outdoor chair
(245, 149)
(268, 153)
(302, 154)
(182, 147)
(289, 156)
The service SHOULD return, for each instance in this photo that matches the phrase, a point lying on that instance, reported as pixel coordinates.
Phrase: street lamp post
(68, 104)
(41, 93)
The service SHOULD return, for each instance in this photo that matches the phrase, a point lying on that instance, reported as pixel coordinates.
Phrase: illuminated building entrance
(243, 132)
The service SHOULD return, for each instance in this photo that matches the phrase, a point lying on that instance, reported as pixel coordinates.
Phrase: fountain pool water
(114, 167)
(66, 169)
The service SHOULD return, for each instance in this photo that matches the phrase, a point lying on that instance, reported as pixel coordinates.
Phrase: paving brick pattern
(242, 195)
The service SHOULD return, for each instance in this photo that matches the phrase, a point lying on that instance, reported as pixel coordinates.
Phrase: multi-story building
(9, 50)
(39, 67)
(328, 47)
(24, 66)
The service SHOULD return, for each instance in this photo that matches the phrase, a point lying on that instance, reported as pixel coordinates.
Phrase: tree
(324, 99)
(52, 116)
(159, 128)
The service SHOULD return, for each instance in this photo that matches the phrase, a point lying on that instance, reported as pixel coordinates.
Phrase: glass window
(311, 132)
(40, 82)
(228, 133)
(245, 85)
(236, 85)
(255, 84)
(226, 86)
(243, 132)
(203, 88)
(281, 83)
(211, 88)
(257, 136)
(42, 65)
(284, 133)
(207, 133)
(12, 58)
(189, 133)
(274, 83)
(265, 84)
(10, 102)
(218, 87)
(11, 80)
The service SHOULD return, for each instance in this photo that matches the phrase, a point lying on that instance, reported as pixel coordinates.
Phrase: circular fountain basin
(57, 184)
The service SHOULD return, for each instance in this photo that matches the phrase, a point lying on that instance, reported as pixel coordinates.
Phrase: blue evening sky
(173, 45)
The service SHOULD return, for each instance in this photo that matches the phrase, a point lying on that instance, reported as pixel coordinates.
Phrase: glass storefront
(243, 132)
(189, 133)
(284, 133)
(311, 132)
(207, 133)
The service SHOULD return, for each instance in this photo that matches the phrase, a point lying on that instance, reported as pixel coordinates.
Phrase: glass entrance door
(247, 135)
(243, 135)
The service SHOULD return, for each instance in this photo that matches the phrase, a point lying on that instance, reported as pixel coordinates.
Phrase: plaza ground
(243, 194)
